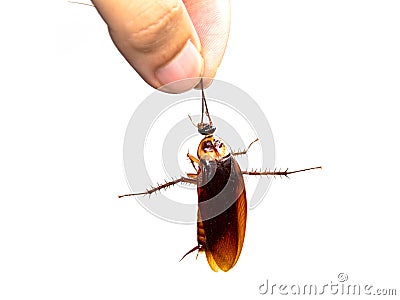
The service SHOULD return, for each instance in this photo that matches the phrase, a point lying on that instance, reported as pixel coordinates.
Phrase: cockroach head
(206, 129)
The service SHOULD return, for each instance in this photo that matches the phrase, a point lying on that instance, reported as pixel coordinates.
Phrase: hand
(169, 40)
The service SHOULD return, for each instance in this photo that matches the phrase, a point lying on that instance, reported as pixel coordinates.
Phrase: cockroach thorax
(213, 147)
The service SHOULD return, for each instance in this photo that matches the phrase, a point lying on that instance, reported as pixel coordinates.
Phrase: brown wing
(222, 211)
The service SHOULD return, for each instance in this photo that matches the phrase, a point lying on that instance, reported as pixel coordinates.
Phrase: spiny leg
(162, 186)
(247, 149)
(193, 160)
(278, 173)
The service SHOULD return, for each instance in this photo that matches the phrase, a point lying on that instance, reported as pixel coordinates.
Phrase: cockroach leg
(193, 160)
(162, 186)
(277, 173)
(198, 247)
(247, 149)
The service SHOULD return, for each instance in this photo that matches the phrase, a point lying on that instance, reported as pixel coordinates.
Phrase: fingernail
(206, 83)
(186, 64)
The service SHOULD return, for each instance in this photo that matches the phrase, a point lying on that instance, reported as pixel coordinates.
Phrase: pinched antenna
(75, 2)
(204, 128)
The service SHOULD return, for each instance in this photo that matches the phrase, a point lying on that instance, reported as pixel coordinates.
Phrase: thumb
(157, 38)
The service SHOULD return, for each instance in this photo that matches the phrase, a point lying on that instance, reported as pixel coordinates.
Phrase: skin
(169, 40)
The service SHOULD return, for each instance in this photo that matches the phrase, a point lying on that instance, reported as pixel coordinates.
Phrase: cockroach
(222, 204)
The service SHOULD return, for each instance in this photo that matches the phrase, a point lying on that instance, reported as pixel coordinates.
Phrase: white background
(326, 74)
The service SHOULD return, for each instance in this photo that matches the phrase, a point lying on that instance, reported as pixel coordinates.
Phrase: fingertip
(187, 64)
(157, 38)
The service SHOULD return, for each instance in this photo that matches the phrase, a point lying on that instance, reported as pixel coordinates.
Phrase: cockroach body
(222, 209)
(222, 203)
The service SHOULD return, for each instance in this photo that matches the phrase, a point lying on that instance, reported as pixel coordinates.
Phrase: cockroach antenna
(81, 3)
(204, 128)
